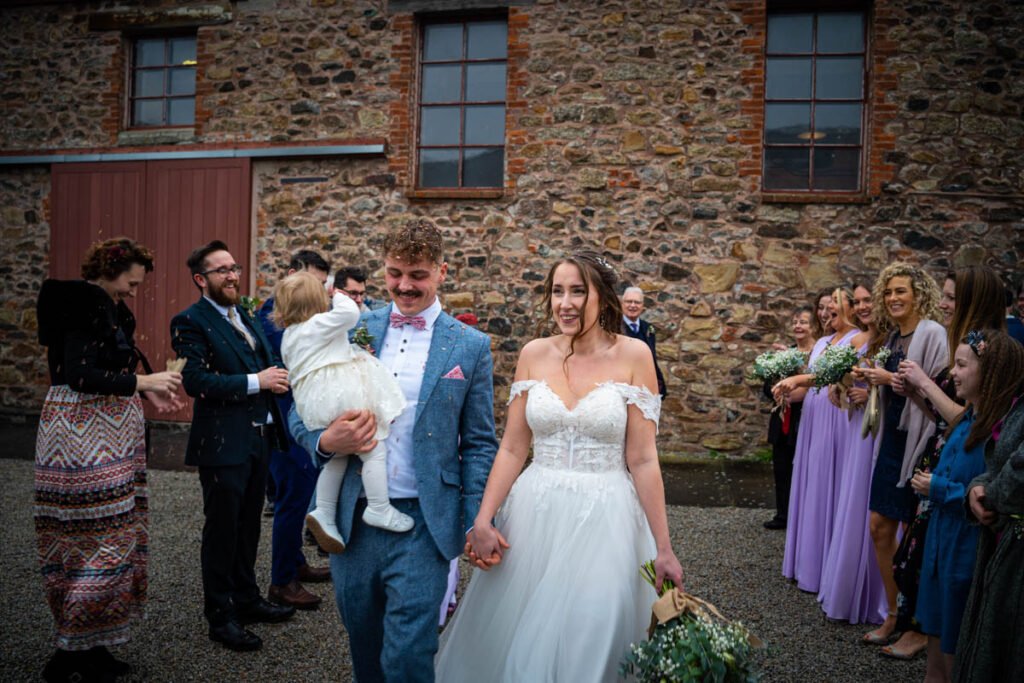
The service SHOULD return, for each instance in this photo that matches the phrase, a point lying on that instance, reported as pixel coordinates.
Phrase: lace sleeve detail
(648, 403)
(519, 387)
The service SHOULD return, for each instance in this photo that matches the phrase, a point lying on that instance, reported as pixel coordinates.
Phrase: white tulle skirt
(357, 384)
(567, 600)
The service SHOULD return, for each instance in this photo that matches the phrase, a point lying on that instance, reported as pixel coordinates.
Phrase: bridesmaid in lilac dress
(812, 498)
(851, 583)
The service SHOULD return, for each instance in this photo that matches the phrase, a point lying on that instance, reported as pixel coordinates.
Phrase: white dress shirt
(404, 352)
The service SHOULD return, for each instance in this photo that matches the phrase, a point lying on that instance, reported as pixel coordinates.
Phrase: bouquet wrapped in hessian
(873, 410)
(690, 641)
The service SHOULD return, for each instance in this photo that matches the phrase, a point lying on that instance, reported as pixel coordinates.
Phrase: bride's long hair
(600, 277)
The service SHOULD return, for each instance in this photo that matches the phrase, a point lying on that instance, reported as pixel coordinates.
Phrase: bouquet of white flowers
(834, 363)
(771, 366)
(873, 412)
(690, 641)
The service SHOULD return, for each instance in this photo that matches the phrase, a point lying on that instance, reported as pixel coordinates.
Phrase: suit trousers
(233, 508)
(388, 588)
(295, 476)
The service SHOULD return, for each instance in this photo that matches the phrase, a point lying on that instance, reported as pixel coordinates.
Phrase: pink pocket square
(455, 373)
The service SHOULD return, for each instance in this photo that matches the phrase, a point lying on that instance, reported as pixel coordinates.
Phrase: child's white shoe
(324, 531)
(389, 520)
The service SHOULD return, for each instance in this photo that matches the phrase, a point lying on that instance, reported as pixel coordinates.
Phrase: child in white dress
(330, 376)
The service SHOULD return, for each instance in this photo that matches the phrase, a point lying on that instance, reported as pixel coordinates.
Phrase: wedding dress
(567, 599)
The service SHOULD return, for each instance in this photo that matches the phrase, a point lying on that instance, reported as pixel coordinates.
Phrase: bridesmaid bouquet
(834, 364)
(873, 412)
(771, 366)
(690, 641)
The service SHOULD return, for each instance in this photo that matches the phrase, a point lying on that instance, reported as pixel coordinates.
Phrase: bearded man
(232, 373)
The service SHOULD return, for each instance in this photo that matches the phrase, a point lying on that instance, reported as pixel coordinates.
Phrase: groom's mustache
(401, 292)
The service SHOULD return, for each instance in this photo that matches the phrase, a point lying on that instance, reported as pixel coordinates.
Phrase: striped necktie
(237, 324)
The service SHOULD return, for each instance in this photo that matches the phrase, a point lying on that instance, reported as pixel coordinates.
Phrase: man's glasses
(224, 271)
(355, 294)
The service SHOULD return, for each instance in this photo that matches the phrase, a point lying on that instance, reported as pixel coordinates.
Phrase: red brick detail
(204, 88)
(752, 15)
(114, 100)
(881, 112)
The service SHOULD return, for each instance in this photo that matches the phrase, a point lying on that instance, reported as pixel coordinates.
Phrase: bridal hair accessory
(976, 340)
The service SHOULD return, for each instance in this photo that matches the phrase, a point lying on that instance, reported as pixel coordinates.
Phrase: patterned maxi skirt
(91, 515)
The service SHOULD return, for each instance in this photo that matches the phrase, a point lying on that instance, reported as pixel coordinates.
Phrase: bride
(560, 596)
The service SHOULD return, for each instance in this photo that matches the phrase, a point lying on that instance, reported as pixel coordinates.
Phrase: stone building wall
(633, 127)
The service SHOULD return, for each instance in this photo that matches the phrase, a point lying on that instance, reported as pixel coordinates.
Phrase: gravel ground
(730, 560)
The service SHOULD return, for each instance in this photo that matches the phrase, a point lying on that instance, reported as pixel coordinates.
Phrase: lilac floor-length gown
(812, 500)
(851, 586)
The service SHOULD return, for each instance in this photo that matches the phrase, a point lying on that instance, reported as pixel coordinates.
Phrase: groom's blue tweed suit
(389, 586)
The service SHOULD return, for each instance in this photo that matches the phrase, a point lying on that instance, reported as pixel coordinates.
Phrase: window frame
(417, 190)
(130, 73)
(865, 100)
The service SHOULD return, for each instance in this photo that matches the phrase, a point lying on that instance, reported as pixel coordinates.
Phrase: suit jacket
(215, 376)
(453, 436)
(646, 334)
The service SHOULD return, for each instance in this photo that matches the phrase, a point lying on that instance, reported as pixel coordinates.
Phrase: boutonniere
(362, 337)
(250, 304)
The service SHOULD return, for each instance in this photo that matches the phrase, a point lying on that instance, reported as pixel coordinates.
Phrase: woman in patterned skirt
(90, 482)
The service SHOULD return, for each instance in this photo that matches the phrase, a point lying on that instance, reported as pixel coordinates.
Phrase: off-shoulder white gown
(567, 599)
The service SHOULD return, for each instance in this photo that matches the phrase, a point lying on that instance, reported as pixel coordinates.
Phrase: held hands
(858, 396)
(351, 432)
(783, 388)
(976, 499)
(165, 402)
(485, 546)
(874, 376)
(921, 483)
(912, 375)
(273, 378)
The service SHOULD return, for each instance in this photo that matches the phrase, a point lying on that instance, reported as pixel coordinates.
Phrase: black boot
(104, 661)
(69, 665)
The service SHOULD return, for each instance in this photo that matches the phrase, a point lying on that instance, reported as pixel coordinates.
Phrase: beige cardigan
(930, 350)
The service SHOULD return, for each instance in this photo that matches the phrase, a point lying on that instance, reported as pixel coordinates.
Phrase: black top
(89, 338)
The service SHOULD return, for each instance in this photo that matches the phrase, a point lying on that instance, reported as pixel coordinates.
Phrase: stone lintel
(129, 18)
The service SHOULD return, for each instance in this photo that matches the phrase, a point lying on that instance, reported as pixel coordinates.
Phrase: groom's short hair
(416, 240)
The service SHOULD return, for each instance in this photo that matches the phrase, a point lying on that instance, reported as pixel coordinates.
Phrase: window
(163, 82)
(461, 110)
(814, 102)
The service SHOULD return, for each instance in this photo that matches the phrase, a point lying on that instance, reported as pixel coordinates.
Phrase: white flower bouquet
(690, 641)
(834, 364)
(771, 366)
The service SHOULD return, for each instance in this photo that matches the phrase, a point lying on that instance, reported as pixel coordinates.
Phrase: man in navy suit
(389, 586)
(633, 326)
(294, 477)
(232, 373)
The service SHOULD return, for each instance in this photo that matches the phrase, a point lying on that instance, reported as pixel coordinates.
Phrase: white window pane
(485, 125)
(839, 78)
(442, 42)
(483, 167)
(439, 126)
(485, 82)
(841, 32)
(790, 33)
(148, 113)
(149, 83)
(183, 81)
(439, 168)
(182, 111)
(788, 78)
(183, 50)
(487, 40)
(442, 83)
(149, 52)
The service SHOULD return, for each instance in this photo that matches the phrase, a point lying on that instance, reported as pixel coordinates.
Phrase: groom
(389, 586)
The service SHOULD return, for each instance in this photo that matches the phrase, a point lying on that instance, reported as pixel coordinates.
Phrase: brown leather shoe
(313, 574)
(294, 595)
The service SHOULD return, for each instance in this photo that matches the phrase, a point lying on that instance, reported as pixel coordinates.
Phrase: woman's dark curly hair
(106, 260)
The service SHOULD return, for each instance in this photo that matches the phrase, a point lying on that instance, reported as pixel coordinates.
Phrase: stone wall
(633, 128)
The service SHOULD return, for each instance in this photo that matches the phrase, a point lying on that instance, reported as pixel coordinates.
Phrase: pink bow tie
(417, 321)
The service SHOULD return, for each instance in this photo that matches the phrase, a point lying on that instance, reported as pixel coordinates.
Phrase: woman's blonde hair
(926, 292)
(297, 298)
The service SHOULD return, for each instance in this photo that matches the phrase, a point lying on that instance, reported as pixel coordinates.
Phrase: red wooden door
(170, 206)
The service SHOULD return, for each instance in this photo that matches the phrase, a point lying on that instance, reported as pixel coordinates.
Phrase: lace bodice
(590, 437)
